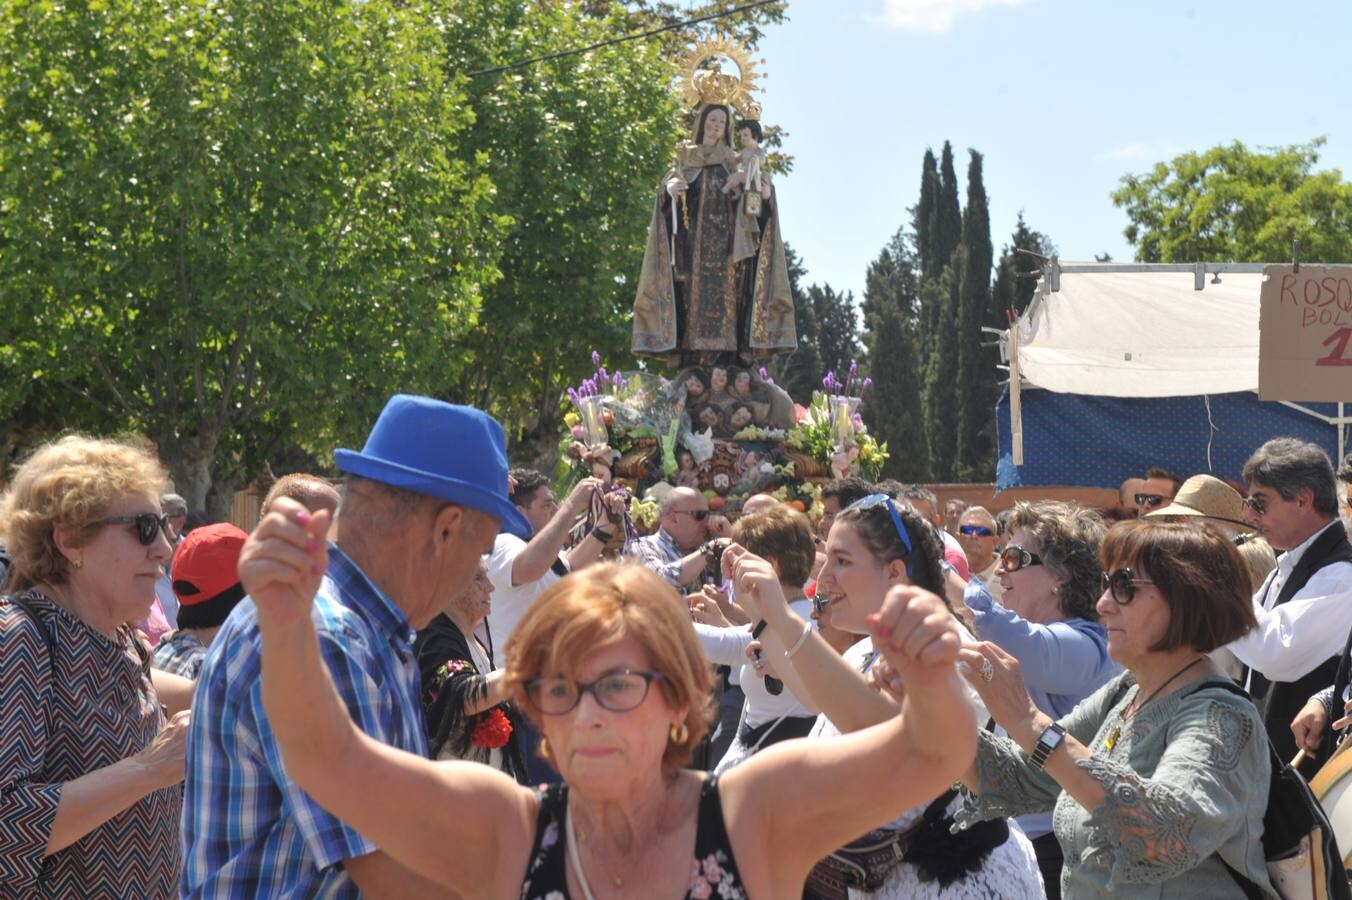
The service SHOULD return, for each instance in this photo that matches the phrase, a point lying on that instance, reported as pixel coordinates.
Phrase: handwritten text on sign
(1305, 334)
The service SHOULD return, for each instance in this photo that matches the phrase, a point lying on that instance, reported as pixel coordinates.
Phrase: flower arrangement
(831, 426)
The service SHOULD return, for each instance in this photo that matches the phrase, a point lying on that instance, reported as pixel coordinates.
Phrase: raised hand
(917, 635)
(996, 677)
(581, 495)
(283, 561)
(756, 583)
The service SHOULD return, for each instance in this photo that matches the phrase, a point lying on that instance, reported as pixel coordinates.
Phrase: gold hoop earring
(543, 747)
(681, 734)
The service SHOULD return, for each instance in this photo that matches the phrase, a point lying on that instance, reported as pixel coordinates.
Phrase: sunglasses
(1015, 558)
(699, 515)
(1150, 501)
(1121, 584)
(873, 500)
(1257, 504)
(978, 530)
(616, 691)
(148, 525)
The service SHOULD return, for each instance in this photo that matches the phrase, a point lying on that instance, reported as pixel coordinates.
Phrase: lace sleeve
(1207, 789)
(1009, 786)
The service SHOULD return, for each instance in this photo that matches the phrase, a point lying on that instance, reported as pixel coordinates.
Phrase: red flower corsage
(491, 730)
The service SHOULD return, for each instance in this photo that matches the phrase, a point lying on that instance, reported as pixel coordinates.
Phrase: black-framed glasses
(978, 530)
(1122, 584)
(1257, 505)
(873, 500)
(147, 526)
(1015, 558)
(618, 691)
(699, 515)
(1150, 501)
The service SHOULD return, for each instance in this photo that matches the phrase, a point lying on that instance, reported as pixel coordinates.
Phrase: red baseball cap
(206, 563)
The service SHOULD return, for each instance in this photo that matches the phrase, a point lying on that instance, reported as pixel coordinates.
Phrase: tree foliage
(975, 372)
(892, 409)
(225, 222)
(1231, 203)
(800, 372)
(837, 327)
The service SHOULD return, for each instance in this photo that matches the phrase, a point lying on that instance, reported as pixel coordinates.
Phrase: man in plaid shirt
(423, 501)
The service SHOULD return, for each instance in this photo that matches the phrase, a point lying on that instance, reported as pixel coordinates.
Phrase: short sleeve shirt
(510, 602)
(248, 830)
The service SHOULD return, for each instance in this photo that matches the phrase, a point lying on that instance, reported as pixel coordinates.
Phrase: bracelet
(802, 639)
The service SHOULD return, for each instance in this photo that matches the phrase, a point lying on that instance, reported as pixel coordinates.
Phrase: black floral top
(453, 670)
(713, 870)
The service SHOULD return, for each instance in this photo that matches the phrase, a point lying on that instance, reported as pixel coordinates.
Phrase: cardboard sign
(1305, 334)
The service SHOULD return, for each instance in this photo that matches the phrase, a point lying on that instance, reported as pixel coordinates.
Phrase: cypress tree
(945, 233)
(923, 213)
(976, 382)
(940, 391)
(892, 409)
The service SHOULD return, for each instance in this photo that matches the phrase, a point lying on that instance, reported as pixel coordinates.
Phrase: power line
(622, 40)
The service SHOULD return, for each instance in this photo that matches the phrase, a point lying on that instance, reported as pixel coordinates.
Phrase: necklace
(571, 837)
(1127, 716)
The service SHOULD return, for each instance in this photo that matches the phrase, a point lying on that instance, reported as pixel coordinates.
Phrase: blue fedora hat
(457, 453)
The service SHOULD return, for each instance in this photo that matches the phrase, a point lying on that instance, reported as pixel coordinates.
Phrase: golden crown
(705, 82)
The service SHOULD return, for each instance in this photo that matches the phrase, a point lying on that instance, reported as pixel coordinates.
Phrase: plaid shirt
(248, 830)
(180, 652)
(659, 553)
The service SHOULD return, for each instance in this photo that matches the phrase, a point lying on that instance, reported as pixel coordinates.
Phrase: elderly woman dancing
(607, 664)
(1159, 780)
(89, 764)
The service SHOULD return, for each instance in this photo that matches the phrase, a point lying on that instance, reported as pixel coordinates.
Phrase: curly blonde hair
(73, 482)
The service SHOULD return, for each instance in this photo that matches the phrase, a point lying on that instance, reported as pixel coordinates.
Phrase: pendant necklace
(571, 837)
(1127, 716)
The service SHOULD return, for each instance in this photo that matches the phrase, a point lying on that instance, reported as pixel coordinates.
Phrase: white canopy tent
(1142, 330)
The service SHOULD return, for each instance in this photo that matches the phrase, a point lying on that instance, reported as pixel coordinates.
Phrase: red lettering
(1311, 292)
(1287, 293)
(1330, 289)
(1307, 317)
(1337, 342)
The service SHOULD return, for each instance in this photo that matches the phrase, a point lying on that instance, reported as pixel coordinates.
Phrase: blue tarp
(1094, 441)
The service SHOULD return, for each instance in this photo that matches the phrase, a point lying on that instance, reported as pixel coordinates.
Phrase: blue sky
(1062, 97)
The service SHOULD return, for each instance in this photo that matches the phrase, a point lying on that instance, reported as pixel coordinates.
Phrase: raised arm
(806, 798)
(1054, 658)
(532, 563)
(413, 809)
(828, 682)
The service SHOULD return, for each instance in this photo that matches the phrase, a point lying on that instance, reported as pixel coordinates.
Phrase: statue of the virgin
(715, 284)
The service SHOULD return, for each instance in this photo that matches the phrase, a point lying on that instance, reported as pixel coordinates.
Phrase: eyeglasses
(1015, 558)
(1258, 505)
(978, 530)
(873, 500)
(1122, 585)
(618, 691)
(699, 515)
(1150, 501)
(148, 525)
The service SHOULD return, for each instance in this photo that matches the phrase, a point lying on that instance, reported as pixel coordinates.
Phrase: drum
(1332, 787)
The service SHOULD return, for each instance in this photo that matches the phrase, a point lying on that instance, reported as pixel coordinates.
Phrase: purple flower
(868, 383)
(826, 381)
(664, 382)
(764, 375)
(596, 358)
(854, 368)
(857, 420)
(603, 377)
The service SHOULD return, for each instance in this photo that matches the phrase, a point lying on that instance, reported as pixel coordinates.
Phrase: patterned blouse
(1185, 785)
(96, 708)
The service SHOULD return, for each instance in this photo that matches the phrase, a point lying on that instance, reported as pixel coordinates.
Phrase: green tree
(1017, 273)
(940, 394)
(922, 216)
(976, 374)
(575, 147)
(799, 372)
(1231, 203)
(228, 223)
(838, 328)
(892, 409)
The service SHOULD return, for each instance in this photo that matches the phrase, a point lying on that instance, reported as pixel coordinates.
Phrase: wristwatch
(1047, 742)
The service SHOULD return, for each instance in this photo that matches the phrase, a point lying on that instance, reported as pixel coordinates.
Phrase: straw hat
(1208, 497)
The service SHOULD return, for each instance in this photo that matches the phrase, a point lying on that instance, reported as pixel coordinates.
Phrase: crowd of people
(435, 679)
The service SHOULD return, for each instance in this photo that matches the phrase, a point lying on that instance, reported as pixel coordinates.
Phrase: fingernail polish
(302, 519)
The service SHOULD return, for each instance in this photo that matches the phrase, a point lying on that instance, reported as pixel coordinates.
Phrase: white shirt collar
(1287, 561)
